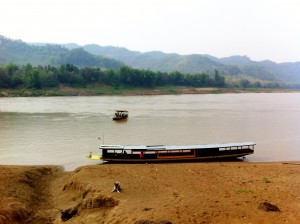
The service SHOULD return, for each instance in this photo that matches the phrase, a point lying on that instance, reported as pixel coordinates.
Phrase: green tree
(69, 74)
(161, 79)
(11, 68)
(197, 80)
(48, 79)
(245, 83)
(91, 75)
(257, 84)
(219, 80)
(176, 78)
(148, 78)
(126, 75)
(16, 80)
(33, 79)
(111, 78)
(4, 79)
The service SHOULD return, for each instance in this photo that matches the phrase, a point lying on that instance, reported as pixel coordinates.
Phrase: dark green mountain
(18, 52)
(82, 58)
(196, 63)
(93, 55)
(156, 60)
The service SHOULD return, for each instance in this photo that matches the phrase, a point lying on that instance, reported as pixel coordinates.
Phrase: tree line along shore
(67, 79)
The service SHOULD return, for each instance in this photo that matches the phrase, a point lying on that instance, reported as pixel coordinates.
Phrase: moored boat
(168, 153)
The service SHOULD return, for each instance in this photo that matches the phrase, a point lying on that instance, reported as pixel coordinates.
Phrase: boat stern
(94, 157)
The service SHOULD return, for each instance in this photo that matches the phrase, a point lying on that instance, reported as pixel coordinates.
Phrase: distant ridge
(110, 57)
(19, 52)
(233, 66)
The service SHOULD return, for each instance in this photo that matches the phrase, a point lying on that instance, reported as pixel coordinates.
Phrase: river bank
(217, 192)
(127, 91)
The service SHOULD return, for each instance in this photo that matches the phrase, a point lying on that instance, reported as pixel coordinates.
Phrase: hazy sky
(260, 29)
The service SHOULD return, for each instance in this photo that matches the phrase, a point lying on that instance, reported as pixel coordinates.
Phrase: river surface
(63, 130)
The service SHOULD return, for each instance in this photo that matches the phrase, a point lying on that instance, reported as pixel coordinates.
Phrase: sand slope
(217, 192)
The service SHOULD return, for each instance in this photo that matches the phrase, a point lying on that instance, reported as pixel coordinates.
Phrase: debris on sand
(152, 222)
(268, 207)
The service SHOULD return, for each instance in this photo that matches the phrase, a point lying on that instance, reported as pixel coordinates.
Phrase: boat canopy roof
(126, 111)
(174, 147)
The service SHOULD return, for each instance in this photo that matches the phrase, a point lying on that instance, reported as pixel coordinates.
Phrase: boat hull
(119, 118)
(179, 159)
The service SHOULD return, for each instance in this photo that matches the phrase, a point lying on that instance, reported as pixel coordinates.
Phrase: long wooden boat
(168, 153)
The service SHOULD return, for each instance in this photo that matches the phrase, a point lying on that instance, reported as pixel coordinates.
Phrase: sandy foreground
(215, 192)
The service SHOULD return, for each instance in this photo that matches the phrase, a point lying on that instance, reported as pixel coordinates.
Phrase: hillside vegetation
(38, 66)
(234, 66)
(20, 53)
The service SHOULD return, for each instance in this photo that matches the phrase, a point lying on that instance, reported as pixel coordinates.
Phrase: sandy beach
(215, 192)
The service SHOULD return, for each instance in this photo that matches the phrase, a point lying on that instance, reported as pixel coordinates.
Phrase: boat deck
(178, 147)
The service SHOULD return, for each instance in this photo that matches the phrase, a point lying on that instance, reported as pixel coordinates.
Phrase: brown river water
(63, 130)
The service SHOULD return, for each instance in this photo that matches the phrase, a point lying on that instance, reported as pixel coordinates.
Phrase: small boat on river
(168, 153)
(120, 115)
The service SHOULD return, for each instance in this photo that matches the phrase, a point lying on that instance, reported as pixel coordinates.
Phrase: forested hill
(234, 66)
(19, 52)
(92, 55)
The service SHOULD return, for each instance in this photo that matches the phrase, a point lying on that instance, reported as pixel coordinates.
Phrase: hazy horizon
(259, 29)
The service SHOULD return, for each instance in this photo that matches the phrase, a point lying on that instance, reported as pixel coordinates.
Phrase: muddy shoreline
(108, 91)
